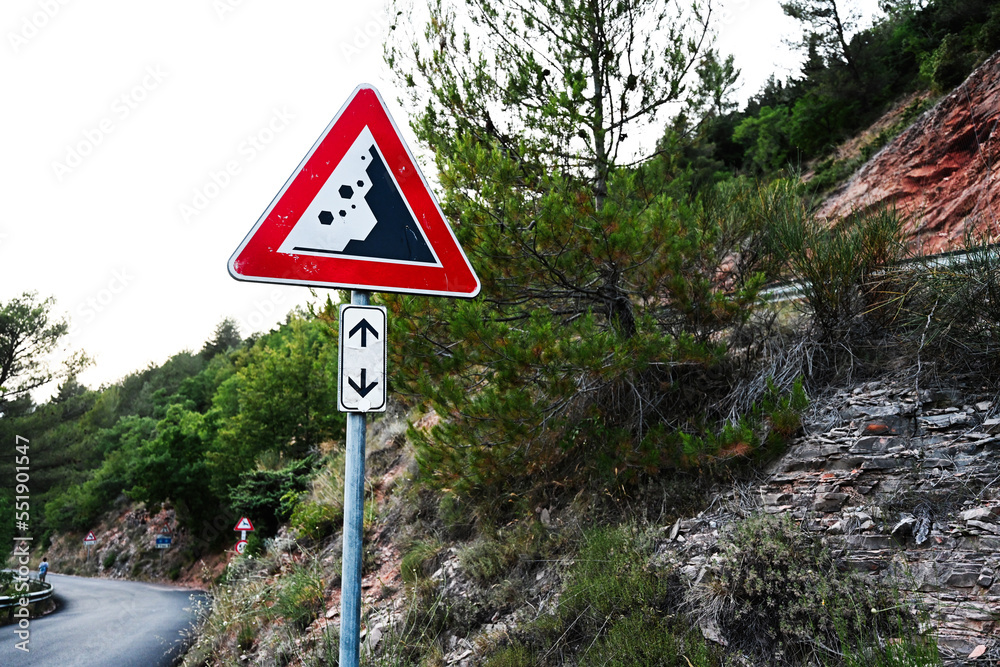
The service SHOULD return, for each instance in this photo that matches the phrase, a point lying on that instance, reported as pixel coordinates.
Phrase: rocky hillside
(940, 171)
(125, 548)
(899, 480)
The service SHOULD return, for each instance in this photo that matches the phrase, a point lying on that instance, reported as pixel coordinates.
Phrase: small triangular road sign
(357, 213)
(244, 524)
(90, 537)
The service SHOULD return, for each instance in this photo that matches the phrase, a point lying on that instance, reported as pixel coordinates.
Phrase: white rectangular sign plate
(361, 385)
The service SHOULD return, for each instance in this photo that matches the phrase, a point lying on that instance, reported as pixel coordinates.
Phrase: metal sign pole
(354, 503)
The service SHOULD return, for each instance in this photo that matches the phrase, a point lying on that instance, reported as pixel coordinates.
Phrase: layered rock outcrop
(941, 171)
(905, 482)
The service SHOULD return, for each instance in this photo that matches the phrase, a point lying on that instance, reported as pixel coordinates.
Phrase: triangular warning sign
(244, 524)
(357, 213)
(90, 537)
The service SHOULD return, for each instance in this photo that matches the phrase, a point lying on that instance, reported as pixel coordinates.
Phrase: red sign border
(242, 519)
(257, 259)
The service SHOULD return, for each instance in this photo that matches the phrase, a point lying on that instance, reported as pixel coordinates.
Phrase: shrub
(988, 39)
(641, 639)
(419, 560)
(492, 556)
(268, 496)
(516, 655)
(300, 598)
(954, 309)
(763, 431)
(109, 559)
(7, 587)
(782, 600)
(316, 520)
(487, 559)
(842, 269)
(615, 609)
(949, 64)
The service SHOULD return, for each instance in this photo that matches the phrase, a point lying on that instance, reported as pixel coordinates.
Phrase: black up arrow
(365, 388)
(364, 327)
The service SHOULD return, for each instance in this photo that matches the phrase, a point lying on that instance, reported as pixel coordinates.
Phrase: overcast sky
(142, 140)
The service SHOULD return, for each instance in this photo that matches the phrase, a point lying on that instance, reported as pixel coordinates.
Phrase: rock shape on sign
(359, 212)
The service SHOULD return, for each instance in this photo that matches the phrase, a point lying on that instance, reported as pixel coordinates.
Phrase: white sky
(121, 117)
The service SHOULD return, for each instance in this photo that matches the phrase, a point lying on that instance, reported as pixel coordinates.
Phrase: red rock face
(942, 172)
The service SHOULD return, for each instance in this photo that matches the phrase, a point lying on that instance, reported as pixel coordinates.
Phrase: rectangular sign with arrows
(362, 383)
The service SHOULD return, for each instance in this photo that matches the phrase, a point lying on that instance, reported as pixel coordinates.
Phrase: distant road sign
(363, 353)
(244, 524)
(89, 539)
(163, 541)
(357, 213)
(241, 546)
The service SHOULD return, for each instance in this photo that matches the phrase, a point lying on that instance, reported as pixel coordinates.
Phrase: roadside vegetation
(622, 360)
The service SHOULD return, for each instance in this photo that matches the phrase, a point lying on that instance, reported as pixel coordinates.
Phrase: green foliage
(320, 513)
(268, 497)
(640, 639)
(6, 518)
(783, 599)
(554, 363)
(28, 334)
(419, 560)
(516, 655)
(609, 579)
(603, 296)
(850, 77)
(454, 512)
(278, 400)
(765, 136)
(615, 609)
(988, 39)
(950, 63)
(166, 434)
(555, 85)
(952, 312)
(300, 599)
(842, 269)
(7, 584)
(316, 520)
(762, 432)
(255, 545)
(147, 393)
(109, 559)
(172, 465)
(226, 338)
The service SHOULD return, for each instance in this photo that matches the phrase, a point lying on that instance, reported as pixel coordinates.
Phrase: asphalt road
(105, 623)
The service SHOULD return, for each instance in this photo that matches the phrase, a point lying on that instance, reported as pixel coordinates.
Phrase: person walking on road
(43, 568)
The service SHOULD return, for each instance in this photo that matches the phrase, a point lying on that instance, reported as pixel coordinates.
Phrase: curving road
(105, 623)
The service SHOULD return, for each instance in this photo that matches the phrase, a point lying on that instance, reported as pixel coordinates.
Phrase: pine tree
(600, 292)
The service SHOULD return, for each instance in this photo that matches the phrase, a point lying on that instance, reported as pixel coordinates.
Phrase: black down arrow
(365, 388)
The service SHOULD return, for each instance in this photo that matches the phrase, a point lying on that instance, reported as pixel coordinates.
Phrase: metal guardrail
(36, 596)
(794, 290)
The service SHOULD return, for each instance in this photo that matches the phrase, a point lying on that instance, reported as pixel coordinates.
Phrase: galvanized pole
(354, 504)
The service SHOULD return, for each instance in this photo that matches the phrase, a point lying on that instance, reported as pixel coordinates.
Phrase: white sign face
(339, 214)
(362, 384)
(244, 524)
